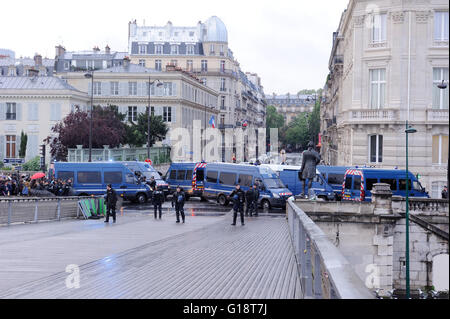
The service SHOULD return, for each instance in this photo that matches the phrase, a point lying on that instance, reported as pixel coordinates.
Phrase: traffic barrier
(15, 210)
(92, 208)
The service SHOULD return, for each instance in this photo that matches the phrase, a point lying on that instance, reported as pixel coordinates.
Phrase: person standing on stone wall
(309, 162)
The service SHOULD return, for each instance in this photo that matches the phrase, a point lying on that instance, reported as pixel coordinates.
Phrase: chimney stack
(107, 49)
(33, 73)
(60, 50)
(126, 62)
(96, 49)
(37, 60)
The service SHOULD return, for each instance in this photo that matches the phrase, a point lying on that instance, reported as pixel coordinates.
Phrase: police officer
(157, 199)
(178, 199)
(238, 197)
(111, 200)
(152, 183)
(254, 205)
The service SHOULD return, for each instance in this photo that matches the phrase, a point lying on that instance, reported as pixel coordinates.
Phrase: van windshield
(150, 174)
(267, 172)
(272, 183)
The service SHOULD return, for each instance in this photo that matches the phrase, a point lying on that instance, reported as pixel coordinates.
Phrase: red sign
(148, 161)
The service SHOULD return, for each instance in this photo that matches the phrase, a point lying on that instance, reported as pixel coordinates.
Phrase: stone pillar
(106, 152)
(382, 199)
(79, 150)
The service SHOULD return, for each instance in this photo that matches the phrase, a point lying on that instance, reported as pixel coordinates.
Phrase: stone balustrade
(324, 271)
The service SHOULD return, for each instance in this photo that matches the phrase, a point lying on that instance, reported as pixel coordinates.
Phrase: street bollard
(36, 209)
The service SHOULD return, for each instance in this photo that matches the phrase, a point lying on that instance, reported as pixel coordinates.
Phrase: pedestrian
(309, 162)
(444, 193)
(254, 205)
(111, 200)
(157, 199)
(238, 198)
(178, 199)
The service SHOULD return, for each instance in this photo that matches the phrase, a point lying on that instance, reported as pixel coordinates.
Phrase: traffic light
(42, 154)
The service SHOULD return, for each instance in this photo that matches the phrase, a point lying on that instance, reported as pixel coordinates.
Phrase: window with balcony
(377, 88)
(142, 62)
(114, 88)
(222, 66)
(158, 65)
(440, 149)
(132, 88)
(158, 49)
(132, 113)
(375, 148)
(440, 96)
(441, 26)
(378, 28)
(190, 49)
(211, 49)
(11, 110)
(10, 146)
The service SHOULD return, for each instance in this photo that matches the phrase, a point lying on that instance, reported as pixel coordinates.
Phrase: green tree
(273, 120)
(136, 132)
(314, 122)
(32, 165)
(23, 144)
(297, 132)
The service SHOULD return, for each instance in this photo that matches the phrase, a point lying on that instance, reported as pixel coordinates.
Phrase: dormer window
(142, 49)
(174, 49)
(158, 49)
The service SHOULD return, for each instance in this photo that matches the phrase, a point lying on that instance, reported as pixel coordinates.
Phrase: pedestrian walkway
(204, 258)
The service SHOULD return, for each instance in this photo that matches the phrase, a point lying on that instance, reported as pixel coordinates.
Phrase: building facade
(180, 99)
(203, 51)
(290, 105)
(10, 66)
(95, 59)
(386, 62)
(33, 105)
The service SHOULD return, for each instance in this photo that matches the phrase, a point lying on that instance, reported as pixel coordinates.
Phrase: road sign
(13, 160)
(149, 161)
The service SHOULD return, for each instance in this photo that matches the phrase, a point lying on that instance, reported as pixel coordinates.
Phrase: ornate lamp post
(90, 75)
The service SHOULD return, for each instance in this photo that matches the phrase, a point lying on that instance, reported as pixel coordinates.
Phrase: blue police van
(358, 183)
(182, 174)
(146, 170)
(220, 179)
(92, 178)
(290, 175)
(334, 176)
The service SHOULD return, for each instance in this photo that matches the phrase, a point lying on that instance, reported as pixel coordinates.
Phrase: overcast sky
(287, 42)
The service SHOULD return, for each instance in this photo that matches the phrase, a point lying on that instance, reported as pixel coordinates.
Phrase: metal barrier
(35, 209)
(324, 271)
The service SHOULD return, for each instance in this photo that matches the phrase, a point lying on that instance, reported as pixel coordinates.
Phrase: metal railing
(324, 271)
(34, 209)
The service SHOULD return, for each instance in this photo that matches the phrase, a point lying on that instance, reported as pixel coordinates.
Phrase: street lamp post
(91, 76)
(149, 108)
(443, 86)
(408, 130)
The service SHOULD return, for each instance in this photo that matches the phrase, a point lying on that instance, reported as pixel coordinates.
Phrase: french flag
(212, 122)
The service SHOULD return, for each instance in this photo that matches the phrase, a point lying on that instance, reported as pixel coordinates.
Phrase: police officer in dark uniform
(178, 199)
(255, 198)
(238, 198)
(111, 200)
(248, 201)
(157, 199)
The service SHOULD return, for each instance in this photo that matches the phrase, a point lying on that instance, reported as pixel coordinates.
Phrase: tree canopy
(136, 133)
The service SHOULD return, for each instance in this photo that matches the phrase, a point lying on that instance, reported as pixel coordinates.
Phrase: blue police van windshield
(267, 172)
(150, 174)
(273, 183)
